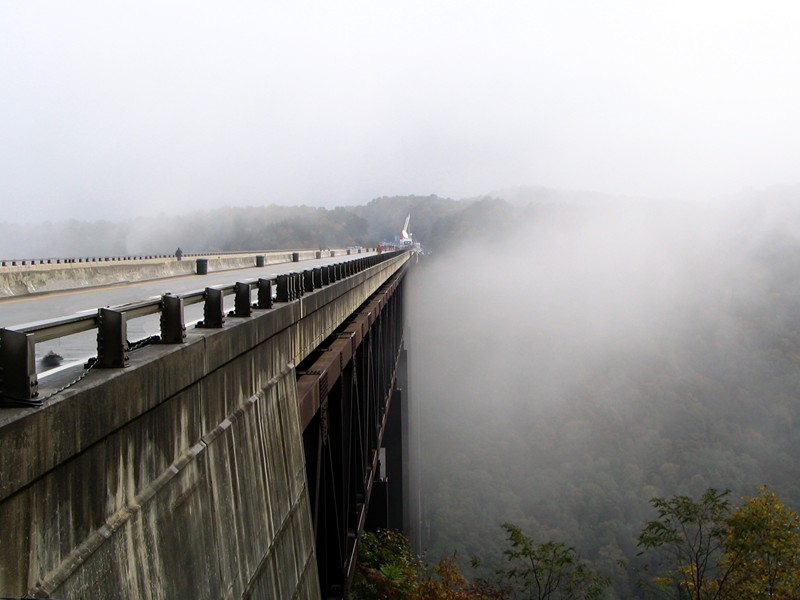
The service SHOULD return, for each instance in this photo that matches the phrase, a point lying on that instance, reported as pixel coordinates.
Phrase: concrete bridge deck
(38, 276)
(183, 474)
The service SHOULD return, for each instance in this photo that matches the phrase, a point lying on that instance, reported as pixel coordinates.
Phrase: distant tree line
(435, 222)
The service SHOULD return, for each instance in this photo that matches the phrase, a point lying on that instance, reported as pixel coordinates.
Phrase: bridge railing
(23, 262)
(18, 379)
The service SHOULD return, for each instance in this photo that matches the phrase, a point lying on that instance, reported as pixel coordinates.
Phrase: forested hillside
(590, 358)
(438, 223)
(241, 228)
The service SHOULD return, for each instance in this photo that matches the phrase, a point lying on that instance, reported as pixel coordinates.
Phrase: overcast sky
(115, 109)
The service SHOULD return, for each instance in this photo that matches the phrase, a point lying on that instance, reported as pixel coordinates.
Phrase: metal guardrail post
(292, 290)
(298, 285)
(264, 293)
(112, 339)
(318, 277)
(173, 328)
(18, 364)
(241, 302)
(308, 280)
(213, 312)
(283, 288)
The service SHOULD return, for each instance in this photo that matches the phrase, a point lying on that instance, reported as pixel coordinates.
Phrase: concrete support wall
(181, 476)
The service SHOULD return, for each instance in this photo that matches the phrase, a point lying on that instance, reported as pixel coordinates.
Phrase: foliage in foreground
(709, 550)
(548, 570)
(551, 570)
(704, 549)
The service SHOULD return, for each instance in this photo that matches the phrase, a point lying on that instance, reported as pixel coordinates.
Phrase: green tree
(762, 549)
(386, 567)
(716, 552)
(694, 533)
(550, 570)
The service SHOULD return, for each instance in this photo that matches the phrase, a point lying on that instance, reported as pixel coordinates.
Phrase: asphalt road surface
(76, 349)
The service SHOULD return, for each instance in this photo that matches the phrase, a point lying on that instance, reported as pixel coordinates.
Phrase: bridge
(240, 458)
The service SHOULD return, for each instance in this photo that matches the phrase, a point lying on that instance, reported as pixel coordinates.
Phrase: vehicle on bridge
(405, 236)
(404, 241)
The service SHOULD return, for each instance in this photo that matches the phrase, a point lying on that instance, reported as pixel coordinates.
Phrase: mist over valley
(571, 355)
(572, 366)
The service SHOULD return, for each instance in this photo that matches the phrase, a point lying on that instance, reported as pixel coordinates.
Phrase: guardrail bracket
(241, 307)
(18, 364)
(112, 339)
(264, 293)
(173, 327)
(213, 311)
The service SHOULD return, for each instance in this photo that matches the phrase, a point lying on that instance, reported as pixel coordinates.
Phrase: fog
(526, 318)
(610, 277)
(111, 111)
(566, 372)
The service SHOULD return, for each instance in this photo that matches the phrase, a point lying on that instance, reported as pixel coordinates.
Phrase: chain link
(90, 364)
(87, 368)
(144, 342)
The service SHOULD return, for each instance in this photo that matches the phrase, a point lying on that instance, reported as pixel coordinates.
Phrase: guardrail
(24, 262)
(19, 384)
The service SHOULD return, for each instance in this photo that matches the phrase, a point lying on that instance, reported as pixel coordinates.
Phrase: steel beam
(345, 398)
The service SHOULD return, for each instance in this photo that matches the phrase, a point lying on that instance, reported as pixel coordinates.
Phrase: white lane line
(63, 367)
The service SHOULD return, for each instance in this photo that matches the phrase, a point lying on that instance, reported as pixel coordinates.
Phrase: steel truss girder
(345, 397)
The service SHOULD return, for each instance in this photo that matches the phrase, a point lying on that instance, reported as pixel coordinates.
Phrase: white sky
(115, 109)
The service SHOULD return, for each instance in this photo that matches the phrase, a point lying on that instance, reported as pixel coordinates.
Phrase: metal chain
(142, 343)
(90, 364)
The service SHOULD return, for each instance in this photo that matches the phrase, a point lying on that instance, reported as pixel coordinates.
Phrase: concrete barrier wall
(181, 476)
(31, 279)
